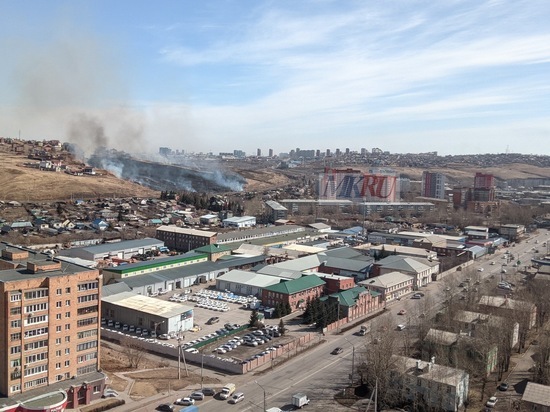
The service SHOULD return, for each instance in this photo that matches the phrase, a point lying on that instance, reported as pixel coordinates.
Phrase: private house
(460, 349)
(100, 224)
(536, 398)
(482, 324)
(294, 292)
(391, 286)
(439, 387)
(505, 307)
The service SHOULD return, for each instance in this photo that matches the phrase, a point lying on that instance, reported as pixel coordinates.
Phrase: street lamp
(352, 360)
(263, 389)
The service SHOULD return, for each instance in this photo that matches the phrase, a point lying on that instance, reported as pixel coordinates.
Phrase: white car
(480, 269)
(237, 397)
(185, 401)
(491, 402)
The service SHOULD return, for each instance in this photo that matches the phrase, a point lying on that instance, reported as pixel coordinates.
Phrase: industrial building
(245, 283)
(49, 329)
(122, 250)
(275, 211)
(239, 222)
(145, 312)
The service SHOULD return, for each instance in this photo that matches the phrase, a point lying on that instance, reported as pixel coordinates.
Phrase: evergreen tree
(282, 328)
(307, 313)
(287, 309)
(277, 312)
(254, 318)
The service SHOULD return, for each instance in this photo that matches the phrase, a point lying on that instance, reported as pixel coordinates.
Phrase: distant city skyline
(461, 77)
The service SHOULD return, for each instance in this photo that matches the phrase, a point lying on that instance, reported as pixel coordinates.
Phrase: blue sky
(451, 76)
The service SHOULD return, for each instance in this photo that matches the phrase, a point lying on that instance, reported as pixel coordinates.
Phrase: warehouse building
(122, 250)
(156, 315)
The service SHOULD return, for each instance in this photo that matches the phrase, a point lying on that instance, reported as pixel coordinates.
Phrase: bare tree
(134, 351)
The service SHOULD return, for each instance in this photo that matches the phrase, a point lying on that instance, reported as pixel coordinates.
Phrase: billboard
(375, 185)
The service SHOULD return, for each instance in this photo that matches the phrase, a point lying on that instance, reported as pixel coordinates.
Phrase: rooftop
(186, 231)
(291, 287)
(537, 394)
(152, 306)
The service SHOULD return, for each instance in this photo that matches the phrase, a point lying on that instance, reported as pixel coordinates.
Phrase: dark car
(212, 320)
(165, 407)
(503, 387)
(337, 351)
(209, 391)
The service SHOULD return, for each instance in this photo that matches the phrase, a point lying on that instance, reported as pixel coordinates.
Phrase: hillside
(21, 183)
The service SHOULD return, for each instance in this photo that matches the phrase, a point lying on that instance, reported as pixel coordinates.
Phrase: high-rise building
(484, 187)
(270, 152)
(49, 327)
(433, 185)
(259, 152)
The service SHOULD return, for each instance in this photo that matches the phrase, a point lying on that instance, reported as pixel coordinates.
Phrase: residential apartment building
(49, 328)
(275, 211)
(185, 239)
(425, 383)
(433, 185)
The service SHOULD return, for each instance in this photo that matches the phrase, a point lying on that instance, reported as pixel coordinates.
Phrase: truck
(364, 330)
(227, 391)
(300, 400)
(191, 408)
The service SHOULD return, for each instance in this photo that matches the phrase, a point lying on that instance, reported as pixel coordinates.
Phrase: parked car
(238, 397)
(402, 312)
(109, 393)
(337, 351)
(401, 327)
(491, 402)
(503, 387)
(164, 336)
(165, 407)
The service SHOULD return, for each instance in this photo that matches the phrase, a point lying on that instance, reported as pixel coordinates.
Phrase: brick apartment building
(50, 332)
(184, 239)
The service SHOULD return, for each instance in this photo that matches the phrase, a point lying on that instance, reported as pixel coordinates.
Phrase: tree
(282, 328)
(133, 350)
(254, 318)
(287, 309)
(277, 312)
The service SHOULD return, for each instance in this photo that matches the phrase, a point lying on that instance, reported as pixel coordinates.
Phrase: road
(321, 375)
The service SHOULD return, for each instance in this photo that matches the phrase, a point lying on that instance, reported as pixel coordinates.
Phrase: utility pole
(263, 389)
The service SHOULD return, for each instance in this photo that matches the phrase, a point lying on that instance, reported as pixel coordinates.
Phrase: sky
(406, 76)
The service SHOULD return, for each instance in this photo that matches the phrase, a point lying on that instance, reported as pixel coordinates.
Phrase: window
(88, 286)
(68, 326)
(86, 369)
(97, 388)
(15, 349)
(36, 332)
(67, 363)
(58, 328)
(88, 298)
(15, 388)
(67, 302)
(36, 345)
(87, 333)
(36, 382)
(67, 338)
(58, 304)
(67, 314)
(87, 357)
(88, 309)
(36, 319)
(86, 322)
(15, 297)
(58, 353)
(36, 294)
(58, 341)
(35, 370)
(67, 351)
(67, 290)
(58, 316)
(15, 362)
(36, 358)
(15, 311)
(36, 308)
(16, 323)
(59, 377)
(58, 291)
(86, 345)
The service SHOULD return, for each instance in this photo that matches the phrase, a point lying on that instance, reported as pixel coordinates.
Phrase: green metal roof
(215, 248)
(291, 287)
(155, 263)
(349, 297)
